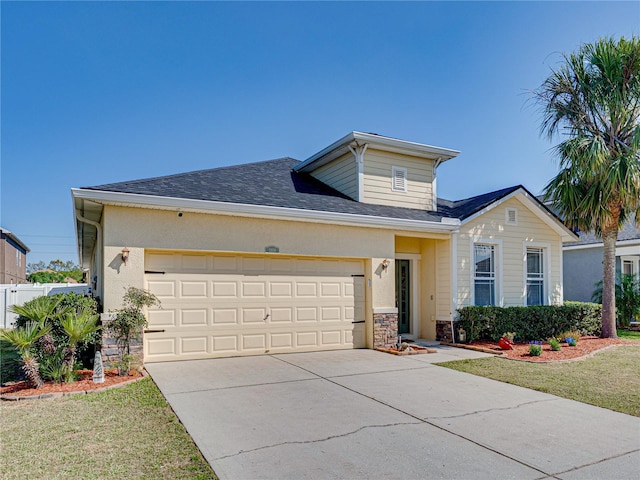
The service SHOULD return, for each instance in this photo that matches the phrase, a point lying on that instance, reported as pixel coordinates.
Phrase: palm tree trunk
(609, 238)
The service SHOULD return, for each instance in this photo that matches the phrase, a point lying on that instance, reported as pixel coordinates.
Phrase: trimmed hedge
(530, 323)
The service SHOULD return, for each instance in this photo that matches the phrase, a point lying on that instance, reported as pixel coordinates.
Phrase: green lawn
(128, 432)
(609, 379)
(629, 335)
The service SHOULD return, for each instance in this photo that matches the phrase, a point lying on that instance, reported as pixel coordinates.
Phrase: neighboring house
(583, 261)
(13, 258)
(343, 250)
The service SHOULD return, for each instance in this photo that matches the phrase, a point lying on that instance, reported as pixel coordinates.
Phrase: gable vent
(398, 179)
(512, 216)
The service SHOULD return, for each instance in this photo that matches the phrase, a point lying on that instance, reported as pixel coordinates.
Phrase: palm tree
(78, 327)
(23, 339)
(593, 99)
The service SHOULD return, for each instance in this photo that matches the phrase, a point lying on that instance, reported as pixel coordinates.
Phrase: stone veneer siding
(385, 330)
(443, 330)
(109, 350)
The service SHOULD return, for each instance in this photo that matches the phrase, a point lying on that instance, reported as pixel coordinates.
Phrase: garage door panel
(281, 340)
(281, 315)
(281, 289)
(225, 264)
(226, 316)
(193, 317)
(254, 315)
(306, 314)
(160, 261)
(331, 338)
(330, 314)
(307, 339)
(194, 263)
(224, 343)
(161, 318)
(224, 289)
(161, 346)
(191, 289)
(306, 289)
(162, 289)
(254, 289)
(191, 345)
(330, 289)
(253, 265)
(216, 306)
(255, 342)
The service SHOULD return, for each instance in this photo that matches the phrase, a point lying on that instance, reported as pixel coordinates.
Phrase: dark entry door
(403, 295)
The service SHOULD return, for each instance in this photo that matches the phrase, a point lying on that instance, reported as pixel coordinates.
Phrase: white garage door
(225, 305)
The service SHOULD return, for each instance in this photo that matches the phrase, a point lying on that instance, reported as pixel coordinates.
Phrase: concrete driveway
(362, 414)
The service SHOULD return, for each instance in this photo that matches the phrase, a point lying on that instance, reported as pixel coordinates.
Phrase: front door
(403, 295)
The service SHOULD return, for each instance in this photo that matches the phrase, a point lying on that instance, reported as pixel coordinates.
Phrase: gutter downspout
(98, 246)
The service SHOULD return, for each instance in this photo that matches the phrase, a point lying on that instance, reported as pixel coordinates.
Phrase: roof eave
(263, 211)
(341, 146)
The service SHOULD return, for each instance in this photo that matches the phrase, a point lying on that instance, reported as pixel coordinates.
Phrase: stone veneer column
(385, 330)
(109, 349)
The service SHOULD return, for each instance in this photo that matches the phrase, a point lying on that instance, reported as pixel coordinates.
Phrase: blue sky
(100, 92)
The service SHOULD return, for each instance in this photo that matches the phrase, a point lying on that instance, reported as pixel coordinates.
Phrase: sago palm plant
(78, 327)
(40, 310)
(23, 339)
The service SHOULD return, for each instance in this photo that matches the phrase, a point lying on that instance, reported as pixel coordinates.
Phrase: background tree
(56, 271)
(593, 99)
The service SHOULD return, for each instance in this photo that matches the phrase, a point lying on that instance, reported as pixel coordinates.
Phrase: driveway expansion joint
(612, 457)
(186, 392)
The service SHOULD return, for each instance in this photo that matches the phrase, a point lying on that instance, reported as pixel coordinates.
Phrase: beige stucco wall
(140, 229)
(340, 174)
(377, 180)
(511, 242)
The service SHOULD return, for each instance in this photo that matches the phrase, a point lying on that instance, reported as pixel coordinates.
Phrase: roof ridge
(176, 175)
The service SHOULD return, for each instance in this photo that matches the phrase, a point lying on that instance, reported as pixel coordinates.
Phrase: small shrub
(129, 321)
(575, 334)
(554, 344)
(535, 348)
(572, 342)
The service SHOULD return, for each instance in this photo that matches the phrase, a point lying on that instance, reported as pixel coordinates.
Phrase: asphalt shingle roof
(274, 183)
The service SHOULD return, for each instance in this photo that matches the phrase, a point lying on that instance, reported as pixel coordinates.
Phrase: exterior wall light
(125, 255)
(385, 264)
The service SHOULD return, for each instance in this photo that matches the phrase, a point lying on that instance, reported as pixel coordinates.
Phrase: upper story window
(398, 179)
(484, 274)
(535, 276)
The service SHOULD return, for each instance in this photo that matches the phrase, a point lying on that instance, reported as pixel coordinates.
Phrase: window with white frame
(629, 265)
(484, 274)
(535, 276)
(398, 179)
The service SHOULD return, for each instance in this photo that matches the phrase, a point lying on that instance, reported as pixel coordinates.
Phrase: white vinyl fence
(21, 293)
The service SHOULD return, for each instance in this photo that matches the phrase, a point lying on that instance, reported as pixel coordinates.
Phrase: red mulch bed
(585, 346)
(84, 383)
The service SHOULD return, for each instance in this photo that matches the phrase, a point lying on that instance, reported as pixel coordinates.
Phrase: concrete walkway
(361, 414)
